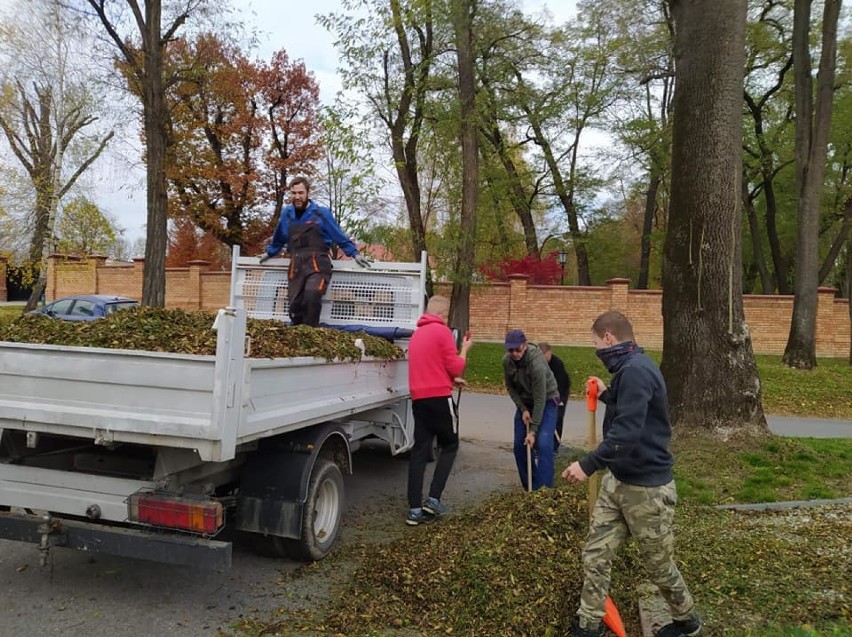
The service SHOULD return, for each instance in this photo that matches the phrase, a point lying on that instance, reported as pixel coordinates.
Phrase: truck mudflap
(48, 532)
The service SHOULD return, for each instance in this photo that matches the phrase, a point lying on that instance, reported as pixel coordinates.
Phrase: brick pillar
(827, 333)
(50, 283)
(518, 312)
(618, 299)
(96, 262)
(194, 292)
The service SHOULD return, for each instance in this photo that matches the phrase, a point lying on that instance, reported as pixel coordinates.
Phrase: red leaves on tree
(546, 271)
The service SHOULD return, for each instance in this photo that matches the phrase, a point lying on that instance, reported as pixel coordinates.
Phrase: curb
(776, 506)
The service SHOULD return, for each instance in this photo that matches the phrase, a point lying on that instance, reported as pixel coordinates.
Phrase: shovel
(611, 618)
(529, 463)
(592, 407)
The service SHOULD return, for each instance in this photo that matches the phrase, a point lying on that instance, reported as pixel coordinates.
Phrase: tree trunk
(460, 301)
(156, 137)
(767, 285)
(565, 194)
(648, 225)
(708, 362)
(521, 202)
(781, 266)
(849, 289)
(837, 244)
(812, 127)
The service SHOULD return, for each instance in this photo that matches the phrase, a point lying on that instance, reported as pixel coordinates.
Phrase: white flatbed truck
(148, 455)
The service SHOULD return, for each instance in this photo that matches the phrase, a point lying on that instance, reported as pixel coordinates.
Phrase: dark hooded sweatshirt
(636, 429)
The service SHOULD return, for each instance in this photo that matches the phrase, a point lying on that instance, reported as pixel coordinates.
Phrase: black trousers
(436, 417)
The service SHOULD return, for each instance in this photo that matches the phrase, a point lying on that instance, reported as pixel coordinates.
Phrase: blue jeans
(542, 451)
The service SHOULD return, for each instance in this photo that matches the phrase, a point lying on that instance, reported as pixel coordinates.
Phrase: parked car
(85, 307)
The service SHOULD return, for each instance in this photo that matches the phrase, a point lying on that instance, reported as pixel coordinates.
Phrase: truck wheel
(323, 510)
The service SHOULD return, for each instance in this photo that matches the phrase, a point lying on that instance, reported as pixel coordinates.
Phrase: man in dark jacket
(637, 493)
(563, 384)
(532, 388)
(307, 231)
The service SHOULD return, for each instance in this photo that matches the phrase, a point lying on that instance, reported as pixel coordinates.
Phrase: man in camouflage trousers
(637, 495)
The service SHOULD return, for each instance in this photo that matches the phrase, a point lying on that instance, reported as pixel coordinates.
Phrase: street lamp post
(563, 257)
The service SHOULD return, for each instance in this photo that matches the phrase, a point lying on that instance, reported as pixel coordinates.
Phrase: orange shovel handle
(591, 394)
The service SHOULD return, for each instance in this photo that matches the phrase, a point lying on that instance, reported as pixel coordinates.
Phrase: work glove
(264, 257)
(360, 260)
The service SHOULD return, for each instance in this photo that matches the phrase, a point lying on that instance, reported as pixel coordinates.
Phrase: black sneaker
(682, 628)
(418, 516)
(576, 631)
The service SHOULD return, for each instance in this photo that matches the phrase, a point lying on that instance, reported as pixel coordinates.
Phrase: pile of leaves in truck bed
(191, 332)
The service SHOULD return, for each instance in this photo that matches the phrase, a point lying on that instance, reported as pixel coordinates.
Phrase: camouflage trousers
(646, 514)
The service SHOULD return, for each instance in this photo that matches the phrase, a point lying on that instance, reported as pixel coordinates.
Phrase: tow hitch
(50, 527)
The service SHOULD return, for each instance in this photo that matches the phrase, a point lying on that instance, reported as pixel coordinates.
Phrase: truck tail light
(197, 516)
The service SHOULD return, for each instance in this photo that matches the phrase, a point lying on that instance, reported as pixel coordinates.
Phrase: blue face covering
(612, 356)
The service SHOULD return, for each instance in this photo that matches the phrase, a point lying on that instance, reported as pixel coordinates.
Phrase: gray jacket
(530, 383)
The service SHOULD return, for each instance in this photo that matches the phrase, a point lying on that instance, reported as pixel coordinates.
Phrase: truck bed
(210, 404)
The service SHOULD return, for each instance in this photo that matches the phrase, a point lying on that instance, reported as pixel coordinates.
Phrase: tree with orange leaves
(187, 242)
(238, 129)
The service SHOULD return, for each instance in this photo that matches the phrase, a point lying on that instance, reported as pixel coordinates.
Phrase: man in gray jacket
(532, 387)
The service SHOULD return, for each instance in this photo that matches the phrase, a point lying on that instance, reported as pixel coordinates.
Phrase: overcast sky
(118, 179)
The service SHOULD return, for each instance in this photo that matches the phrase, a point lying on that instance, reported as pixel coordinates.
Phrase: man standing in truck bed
(307, 231)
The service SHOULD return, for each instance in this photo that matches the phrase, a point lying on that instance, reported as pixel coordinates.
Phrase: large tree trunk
(812, 126)
(463, 24)
(708, 362)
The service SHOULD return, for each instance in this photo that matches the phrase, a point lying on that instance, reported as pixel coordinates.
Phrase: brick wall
(561, 315)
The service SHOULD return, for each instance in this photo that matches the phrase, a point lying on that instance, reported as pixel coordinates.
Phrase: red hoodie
(433, 361)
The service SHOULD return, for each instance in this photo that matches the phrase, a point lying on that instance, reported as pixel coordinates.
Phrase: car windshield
(111, 308)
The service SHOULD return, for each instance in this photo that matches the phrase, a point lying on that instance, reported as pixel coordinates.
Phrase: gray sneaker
(434, 506)
(682, 628)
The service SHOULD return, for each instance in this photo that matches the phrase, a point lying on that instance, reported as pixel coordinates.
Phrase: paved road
(489, 417)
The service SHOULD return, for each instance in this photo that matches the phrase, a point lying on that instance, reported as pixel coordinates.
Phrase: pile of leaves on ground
(512, 567)
(191, 332)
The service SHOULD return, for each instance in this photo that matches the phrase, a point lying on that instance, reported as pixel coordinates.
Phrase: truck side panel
(290, 394)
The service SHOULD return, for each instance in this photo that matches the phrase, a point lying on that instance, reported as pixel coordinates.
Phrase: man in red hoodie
(433, 367)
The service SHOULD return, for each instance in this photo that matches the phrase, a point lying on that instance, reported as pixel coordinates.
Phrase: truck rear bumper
(125, 542)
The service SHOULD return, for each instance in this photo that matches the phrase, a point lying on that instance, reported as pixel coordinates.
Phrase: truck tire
(323, 511)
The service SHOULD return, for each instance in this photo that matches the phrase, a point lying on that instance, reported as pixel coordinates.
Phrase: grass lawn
(822, 392)
(10, 312)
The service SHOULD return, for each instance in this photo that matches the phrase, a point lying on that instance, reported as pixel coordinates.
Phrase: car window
(122, 305)
(84, 308)
(60, 307)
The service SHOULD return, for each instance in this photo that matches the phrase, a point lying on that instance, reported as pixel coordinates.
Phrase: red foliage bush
(546, 271)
